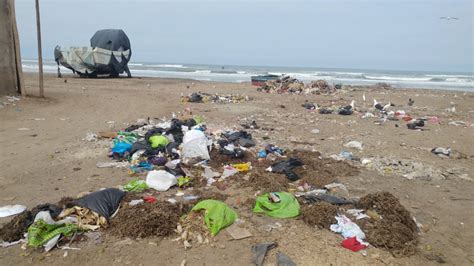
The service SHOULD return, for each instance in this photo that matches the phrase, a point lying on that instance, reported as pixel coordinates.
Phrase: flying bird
(449, 18)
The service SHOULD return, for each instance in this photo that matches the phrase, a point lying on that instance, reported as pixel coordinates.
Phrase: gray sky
(382, 34)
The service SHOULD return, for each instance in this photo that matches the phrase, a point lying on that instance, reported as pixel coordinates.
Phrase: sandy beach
(45, 158)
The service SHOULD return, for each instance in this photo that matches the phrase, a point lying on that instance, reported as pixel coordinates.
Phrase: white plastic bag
(347, 228)
(9, 210)
(160, 180)
(195, 145)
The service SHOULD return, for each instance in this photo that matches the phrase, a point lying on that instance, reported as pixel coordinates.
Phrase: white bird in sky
(449, 18)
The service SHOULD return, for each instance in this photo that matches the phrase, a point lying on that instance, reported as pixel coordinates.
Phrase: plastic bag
(218, 215)
(287, 207)
(9, 210)
(160, 180)
(347, 228)
(104, 202)
(158, 141)
(195, 145)
(41, 232)
(135, 186)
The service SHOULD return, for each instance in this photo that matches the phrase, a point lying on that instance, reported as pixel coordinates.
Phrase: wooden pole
(16, 45)
(40, 54)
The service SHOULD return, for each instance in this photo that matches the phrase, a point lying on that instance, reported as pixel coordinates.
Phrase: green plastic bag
(198, 119)
(158, 141)
(218, 215)
(287, 207)
(41, 232)
(136, 186)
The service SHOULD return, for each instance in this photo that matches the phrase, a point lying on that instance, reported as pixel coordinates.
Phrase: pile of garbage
(202, 97)
(185, 161)
(289, 85)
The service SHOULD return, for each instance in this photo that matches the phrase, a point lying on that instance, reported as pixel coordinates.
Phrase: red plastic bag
(352, 244)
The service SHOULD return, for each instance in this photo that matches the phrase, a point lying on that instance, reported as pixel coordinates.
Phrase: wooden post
(16, 45)
(40, 53)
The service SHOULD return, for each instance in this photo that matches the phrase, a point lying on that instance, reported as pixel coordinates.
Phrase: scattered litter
(135, 186)
(160, 180)
(286, 207)
(286, 167)
(347, 228)
(259, 252)
(112, 164)
(237, 232)
(353, 244)
(346, 155)
(215, 98)
(135, 202)
(10, 210)
(283, 260)
(441, 152)
(229, 170)
(313, 198)
(104, 202)
(354, 144)
(91, 137)
(357, 213)
(217, 215)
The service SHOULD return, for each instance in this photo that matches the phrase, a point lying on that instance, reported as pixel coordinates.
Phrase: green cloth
(287, 207)
(218, 215)
(158, 141)
(41, 232)
(135, 186)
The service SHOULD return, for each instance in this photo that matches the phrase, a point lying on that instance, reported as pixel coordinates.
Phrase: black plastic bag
(245, 142)
(325, 111)
(259, 251)
(195, 98)
(313, 198)
(286, 165)
(140, 145)
(104, 202)
(345, 111)
(283, 260)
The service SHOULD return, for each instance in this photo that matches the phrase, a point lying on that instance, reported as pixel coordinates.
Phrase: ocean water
(230, 73)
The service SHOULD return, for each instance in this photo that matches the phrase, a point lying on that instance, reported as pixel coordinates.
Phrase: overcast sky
(382, 34)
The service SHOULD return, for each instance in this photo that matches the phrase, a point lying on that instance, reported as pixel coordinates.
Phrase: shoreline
(29, 75)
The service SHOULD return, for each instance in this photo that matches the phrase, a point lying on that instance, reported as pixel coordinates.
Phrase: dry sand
(51, 160)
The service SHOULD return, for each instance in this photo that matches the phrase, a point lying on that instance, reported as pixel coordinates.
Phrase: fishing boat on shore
(261, 79)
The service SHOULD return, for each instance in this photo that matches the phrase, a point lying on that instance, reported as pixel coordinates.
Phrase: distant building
(11, 76)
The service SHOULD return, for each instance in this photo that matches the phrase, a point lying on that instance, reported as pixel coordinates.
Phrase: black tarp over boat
(108, 54)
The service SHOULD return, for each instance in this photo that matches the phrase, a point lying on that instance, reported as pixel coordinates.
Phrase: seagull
(410, 102)
(381, 107)
(449, 18)
(377, 105)
(349, 107)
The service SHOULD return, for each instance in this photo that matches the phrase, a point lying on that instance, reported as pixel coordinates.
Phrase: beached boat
(260, 80)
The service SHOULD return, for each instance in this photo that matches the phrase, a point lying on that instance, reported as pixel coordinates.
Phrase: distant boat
(260, 80)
